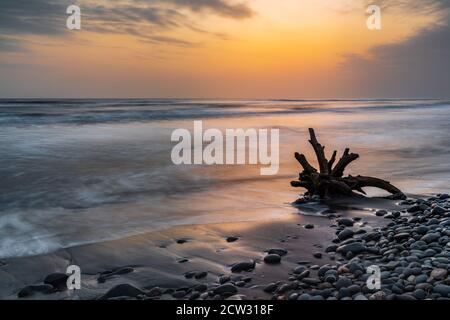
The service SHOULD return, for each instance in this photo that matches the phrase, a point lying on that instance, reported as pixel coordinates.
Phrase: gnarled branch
(330, 181)
(319, 150)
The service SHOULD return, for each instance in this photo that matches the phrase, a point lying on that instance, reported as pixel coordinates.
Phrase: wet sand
(163, 258)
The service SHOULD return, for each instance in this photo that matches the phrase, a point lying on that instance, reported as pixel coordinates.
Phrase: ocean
(74, 172)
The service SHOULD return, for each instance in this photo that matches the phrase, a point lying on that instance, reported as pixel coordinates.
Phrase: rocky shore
(411, 248)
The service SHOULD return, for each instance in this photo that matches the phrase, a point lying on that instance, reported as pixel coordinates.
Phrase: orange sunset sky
(225, 49)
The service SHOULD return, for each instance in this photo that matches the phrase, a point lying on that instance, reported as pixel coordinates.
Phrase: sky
(263, 49)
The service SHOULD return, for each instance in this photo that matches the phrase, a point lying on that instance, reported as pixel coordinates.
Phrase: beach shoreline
(184, 262)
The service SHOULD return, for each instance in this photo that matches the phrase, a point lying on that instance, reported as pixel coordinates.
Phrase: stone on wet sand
(32, 289)
(122, 290)
(270, 288)
(232, 239)
(345, 222)
(272, 259)
(57, 280)
(354, 248)
(223, 289)
(200, 275)
(331, 248)
(154, 292)
(345, 234)
(243, 266)
(381, 213)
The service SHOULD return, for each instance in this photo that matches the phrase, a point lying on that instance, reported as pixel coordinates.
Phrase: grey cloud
(221, 7)
(10, 45)
(418, 67)
(422, 6)
(19, 18)
(35, 17)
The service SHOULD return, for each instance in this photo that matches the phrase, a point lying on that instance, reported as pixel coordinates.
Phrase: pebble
(272, 259)
(439, 274)
(304, 296)
(345, 234)
(331, 248)
(223, 279)
(442, 289)
(201, 275)
(430, 237)
(438, 210)
(343, 282)
(299, 269)
(232, 239)
(419, 294)
(243, 266)
(345, 222)
(122, 290)
(30, 290)
(381, 213)
(270, 288)
(223, 289)
(354, 248)
(57, 280)
(154, 292)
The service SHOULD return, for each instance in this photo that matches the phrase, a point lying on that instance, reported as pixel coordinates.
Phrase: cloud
(21, 18)
(32, 17)
(220, 7)
(10, 45)
(418, 67)
(411, 6)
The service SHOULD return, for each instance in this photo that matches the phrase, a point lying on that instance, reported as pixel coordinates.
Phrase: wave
(79, 112)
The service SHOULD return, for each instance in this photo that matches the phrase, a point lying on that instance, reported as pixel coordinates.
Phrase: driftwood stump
(329, 181)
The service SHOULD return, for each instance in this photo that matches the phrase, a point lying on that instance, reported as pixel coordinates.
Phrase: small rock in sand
(243, 266)
(232, 239)
(227, 288)
(345, 234)
(345, 222)
(223, 279)
(381, 213)
(317, 255)
(154, 292)
(201, 275)
(272, 259)
(30, 290)
(122, 290)
(57, 280)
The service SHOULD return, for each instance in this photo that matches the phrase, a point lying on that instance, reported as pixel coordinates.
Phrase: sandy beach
(102, 193)
(163, 259)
